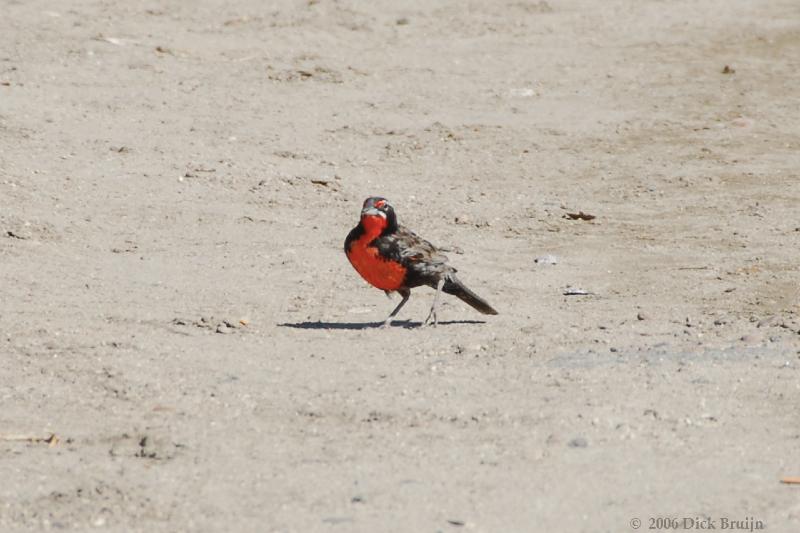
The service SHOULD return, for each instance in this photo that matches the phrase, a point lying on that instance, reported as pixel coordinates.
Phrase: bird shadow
(407, 324)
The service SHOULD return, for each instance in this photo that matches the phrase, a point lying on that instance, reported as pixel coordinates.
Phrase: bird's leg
(405, 293)
(435, 305)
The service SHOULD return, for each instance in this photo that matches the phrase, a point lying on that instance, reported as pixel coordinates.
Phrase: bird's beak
(372, 212)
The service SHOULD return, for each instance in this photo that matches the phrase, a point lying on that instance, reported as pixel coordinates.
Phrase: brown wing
(424, 262)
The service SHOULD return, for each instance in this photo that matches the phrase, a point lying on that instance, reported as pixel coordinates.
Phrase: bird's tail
(453, 286)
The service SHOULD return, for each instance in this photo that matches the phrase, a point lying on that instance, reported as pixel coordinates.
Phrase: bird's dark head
(378, 213)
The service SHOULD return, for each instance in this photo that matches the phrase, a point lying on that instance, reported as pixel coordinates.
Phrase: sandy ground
(186, 348)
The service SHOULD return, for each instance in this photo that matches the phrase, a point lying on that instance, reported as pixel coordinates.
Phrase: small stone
(548, 259)
(642, 316)
(614, 350)
(578, 442)
(402, 21)
(463, 219)
(575, 291)
(224, 329)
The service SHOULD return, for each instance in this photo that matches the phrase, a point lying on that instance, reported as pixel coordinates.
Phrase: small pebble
(642, 316)
(546, 260)
(575, 291)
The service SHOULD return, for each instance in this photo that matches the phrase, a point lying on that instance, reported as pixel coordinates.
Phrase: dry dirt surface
(186, 348)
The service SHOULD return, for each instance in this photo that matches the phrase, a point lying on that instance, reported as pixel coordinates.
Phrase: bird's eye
(380, 204)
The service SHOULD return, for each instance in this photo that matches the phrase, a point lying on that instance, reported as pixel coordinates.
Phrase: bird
(393, 258)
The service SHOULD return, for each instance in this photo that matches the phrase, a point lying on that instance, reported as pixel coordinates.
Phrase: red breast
(379, 271)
